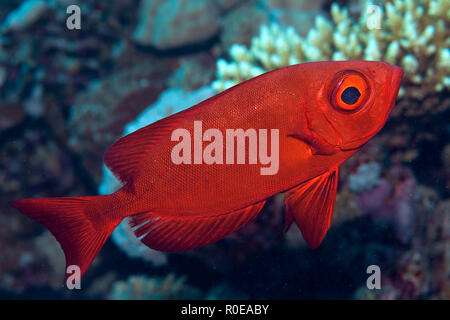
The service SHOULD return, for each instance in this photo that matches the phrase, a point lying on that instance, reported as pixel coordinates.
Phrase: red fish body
(323, 111)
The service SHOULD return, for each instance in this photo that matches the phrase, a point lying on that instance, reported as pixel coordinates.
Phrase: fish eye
(350, 95)
(350, 92)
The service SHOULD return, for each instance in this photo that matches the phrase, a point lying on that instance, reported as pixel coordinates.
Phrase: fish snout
(396, 75)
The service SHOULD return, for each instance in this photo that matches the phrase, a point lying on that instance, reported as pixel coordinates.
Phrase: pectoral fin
(311, 204)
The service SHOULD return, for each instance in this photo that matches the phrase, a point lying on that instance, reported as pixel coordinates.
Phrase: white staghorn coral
(412, 34)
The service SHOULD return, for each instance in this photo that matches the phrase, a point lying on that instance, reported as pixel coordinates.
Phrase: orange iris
(350, 92)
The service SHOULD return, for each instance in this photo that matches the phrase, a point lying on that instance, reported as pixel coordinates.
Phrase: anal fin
(311, 204)
(181, 233)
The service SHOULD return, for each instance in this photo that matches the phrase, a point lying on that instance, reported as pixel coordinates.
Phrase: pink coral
(393, 201)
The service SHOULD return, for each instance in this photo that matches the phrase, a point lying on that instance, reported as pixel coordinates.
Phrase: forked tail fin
(67, 221)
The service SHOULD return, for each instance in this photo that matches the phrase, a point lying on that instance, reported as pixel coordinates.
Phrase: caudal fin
(66, 220)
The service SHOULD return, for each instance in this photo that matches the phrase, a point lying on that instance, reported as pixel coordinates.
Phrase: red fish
(324, 113)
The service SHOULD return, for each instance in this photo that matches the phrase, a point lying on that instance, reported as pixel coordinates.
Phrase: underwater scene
(114, 188)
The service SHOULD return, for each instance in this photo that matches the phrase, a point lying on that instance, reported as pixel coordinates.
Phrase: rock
(176, 23)
(240, 25)
(193, 73)
(299, 14)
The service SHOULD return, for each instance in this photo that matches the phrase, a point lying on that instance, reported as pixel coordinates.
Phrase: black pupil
(350, 95)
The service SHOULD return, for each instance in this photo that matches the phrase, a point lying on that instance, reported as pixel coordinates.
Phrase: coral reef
(423, 265)
(438, 248)
(414, 35)
(34, 262)
(366, 177)
(410, 280)
(66, 96)
(393, 199)
(298, 14)
(421, 271)
(346, 207)
(37, 153)
(169, 287)
(97, 119)
(145, 288)
(52, 56)
(28, 13)
(193, 73)
(43, 67)
(169, 24)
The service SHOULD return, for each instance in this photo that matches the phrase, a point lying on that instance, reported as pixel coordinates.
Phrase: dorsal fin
(180, 233)
(311, 204)
(126, 154)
